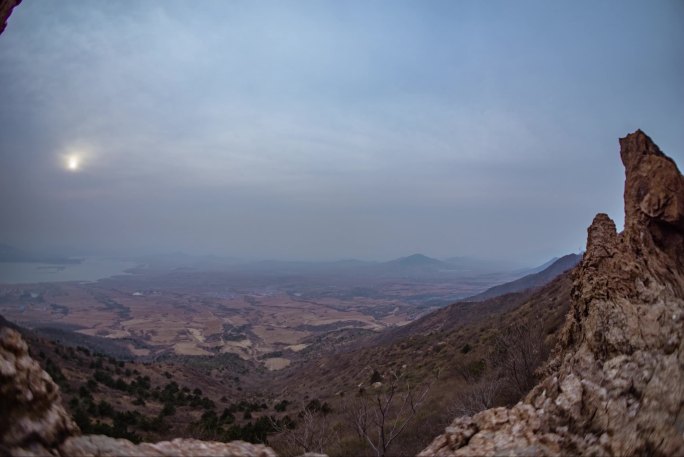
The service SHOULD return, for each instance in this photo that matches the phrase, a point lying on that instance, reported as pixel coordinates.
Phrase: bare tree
(381, 415)
(519, 351)
(470, 373)
(476, 398)
(313, 432)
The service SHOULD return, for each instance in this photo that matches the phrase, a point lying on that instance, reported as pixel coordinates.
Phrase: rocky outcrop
(616, 383)
(104, 446)
(6, 7)
(31, 413)
(33, 421)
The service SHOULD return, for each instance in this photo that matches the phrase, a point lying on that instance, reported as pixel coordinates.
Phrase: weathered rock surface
(31, 413)
(104, 446)
(616, 383)
(33, 421)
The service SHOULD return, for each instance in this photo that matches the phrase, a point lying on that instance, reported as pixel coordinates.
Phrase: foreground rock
(33, 421)
(104, 446)
(31, 413)
(616, 383)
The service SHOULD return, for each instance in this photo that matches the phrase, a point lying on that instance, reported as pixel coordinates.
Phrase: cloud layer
(328, 129)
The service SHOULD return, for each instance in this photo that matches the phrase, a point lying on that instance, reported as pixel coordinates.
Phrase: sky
(323, 129)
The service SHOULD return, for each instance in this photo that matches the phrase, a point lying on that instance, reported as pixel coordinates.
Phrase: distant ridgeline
(531, 281)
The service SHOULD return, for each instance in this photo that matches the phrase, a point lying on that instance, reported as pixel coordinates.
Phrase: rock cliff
(616, 383)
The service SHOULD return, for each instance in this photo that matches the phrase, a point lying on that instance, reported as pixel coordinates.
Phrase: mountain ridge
(531, 281)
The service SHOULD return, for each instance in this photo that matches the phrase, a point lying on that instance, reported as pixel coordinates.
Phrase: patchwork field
(269, 317)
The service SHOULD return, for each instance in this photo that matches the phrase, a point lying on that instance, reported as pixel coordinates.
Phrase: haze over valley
(189, 306)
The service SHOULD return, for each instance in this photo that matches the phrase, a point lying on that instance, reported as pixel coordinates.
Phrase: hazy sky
(329, 129)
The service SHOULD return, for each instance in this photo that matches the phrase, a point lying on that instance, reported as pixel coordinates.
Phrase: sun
(75, 158)
(73, 163)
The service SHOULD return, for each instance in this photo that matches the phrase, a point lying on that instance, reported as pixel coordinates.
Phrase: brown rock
(616, 383)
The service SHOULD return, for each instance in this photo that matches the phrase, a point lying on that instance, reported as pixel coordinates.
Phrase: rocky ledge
(615, 385)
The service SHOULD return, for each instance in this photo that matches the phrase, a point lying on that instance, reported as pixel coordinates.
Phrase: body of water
(90, 269)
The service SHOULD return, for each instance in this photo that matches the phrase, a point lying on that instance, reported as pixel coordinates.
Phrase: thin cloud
(320, 130)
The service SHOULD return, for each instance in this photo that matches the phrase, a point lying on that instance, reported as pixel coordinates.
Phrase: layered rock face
(33, 421)
(616, 383)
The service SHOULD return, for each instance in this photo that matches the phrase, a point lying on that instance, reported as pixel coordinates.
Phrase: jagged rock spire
(616, 383)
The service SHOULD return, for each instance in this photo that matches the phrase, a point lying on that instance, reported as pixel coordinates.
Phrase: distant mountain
(415, 266)
(543, 266)
(12, 254)
(417, 261)
(531, 281)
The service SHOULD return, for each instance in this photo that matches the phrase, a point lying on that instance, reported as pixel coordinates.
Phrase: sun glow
(73, 163)
(76, 157)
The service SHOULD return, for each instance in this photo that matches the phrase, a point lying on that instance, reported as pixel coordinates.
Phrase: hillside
(102, 393)
(152, 401)
(469, 312)
(531, 281)
(435, 341)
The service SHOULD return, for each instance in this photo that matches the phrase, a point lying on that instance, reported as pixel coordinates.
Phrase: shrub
(281, 406)
(168, 410)
(105, 409)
